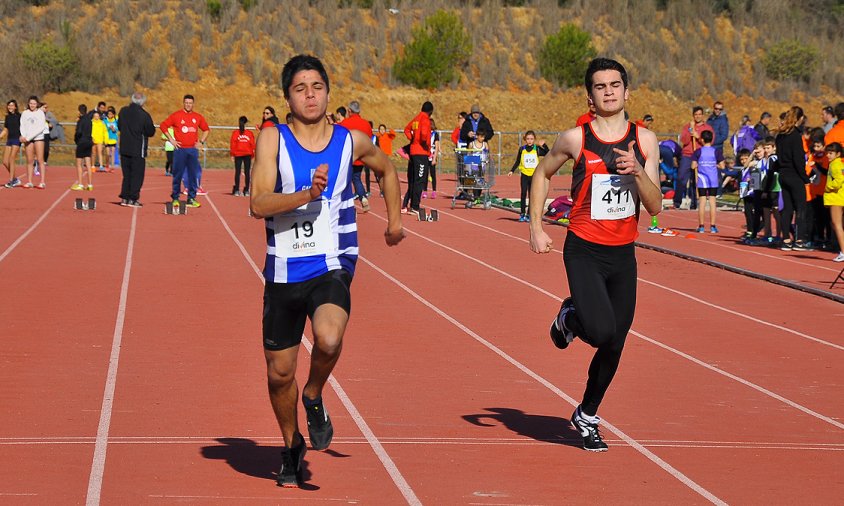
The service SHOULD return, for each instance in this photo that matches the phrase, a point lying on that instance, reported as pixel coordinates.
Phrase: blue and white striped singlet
(322, 235)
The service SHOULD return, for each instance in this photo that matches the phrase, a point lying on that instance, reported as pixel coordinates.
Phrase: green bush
(565, 55)
(791, 60)
(215, 8)
(51, 67)
(436, 50)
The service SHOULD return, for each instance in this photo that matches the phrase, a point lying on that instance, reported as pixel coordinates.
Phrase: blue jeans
(186, 165)
(360, 191)
(685, 179)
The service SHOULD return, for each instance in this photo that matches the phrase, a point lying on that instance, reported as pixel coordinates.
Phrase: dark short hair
(839, 110)
(341, 111)
(599, 64)
(743, 152)
(428, 107)
(100, 103)
(707, 136)
(827, 109)
(764, 115)
(835, 147)
(297, 64)
(648, 117)
(188, 97)
(696, 109)
(83, 109)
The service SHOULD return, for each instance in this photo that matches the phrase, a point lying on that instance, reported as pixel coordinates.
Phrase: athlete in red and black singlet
(597, 157)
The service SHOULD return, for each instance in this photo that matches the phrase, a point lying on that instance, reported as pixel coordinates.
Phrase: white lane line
(677, 292)
(32, 227)
(424, 441)
(743, 381)
(390, 466)
(643, 337)
(95, 481)
(550, 386)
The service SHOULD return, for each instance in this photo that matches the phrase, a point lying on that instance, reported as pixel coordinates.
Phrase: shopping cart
(475, 177)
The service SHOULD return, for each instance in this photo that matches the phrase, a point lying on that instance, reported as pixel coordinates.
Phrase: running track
(132, 369)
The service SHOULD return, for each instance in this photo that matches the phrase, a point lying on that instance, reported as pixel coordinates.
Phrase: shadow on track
(248, 457)
(550, 429)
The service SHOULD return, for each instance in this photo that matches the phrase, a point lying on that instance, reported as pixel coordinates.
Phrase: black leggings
(525, 180)
(433, 175)
(602, 282)
(753, 213)
(794, 203)
(246, 162)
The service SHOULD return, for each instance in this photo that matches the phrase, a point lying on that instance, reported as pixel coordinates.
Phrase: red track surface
(448, 391)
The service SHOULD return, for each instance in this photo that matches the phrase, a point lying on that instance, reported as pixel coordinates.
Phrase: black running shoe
(592, 440)
(560, 334)
(290, 474)
(320, 430)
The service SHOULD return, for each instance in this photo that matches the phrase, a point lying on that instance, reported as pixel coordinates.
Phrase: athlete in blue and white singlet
(290, 256)
(301, 187)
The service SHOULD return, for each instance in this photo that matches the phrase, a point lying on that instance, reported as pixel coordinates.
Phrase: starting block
(425, 215)
(182, 208)
(82, 205)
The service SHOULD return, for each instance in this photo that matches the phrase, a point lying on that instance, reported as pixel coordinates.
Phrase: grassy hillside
(678, 53)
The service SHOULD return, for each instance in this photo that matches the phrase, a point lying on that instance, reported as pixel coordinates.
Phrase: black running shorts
(286, 305)
(83, 149)
(707, 192)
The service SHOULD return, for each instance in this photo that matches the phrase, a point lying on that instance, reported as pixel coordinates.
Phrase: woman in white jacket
(33, 129)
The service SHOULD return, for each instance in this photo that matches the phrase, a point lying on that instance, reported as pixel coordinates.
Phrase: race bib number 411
(305, 231)
(614, 197)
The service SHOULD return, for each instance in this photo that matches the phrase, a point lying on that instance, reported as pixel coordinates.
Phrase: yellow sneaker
(77, 187)
(90, 187)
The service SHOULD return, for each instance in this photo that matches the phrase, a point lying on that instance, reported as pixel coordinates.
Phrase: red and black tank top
(597, 157)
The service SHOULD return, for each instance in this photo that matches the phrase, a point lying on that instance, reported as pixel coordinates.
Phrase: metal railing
(503, 148)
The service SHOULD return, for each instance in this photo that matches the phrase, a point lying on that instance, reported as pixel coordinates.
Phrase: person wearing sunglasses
(720, 125)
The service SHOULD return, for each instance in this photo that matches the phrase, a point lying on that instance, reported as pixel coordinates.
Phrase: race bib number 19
(305, 231)
(613, 196)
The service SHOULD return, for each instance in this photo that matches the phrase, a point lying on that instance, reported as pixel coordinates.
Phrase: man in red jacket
(187, 126)
(355, 122)
(418, 131)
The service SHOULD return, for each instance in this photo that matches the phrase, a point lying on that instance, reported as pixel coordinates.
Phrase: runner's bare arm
(263, 200)
(372, 156)
(566, 146)
(647, 177)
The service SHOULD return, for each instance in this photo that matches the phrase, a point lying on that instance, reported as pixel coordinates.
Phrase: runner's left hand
(626, 162)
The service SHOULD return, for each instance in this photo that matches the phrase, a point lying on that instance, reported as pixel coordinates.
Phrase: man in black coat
(475, 121)
(136, 127)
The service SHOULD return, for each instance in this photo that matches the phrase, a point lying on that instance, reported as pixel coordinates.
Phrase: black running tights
(525, 184)
(602, 282)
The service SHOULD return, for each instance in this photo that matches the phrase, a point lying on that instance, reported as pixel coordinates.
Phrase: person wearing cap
(762, 127)
(646, 121)
(354, 121)
(475, 121)
(828, 116)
